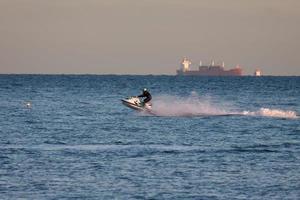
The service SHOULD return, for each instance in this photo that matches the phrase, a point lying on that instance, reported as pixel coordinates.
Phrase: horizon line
(115, 74)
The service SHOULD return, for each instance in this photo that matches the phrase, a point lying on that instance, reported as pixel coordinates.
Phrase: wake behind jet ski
(137, 104)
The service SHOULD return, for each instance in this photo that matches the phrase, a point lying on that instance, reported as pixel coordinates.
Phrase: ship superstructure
(208, 70)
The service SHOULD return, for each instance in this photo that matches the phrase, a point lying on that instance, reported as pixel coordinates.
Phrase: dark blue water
(212, 138)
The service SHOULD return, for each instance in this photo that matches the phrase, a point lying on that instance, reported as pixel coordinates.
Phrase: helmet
(145, 89)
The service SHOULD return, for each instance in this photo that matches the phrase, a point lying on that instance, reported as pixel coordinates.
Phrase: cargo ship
(208, 70)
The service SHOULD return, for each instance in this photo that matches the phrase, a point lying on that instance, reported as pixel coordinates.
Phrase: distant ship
(211, 70)
(257, 72)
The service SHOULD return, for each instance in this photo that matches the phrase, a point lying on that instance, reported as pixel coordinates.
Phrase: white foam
(267, 112)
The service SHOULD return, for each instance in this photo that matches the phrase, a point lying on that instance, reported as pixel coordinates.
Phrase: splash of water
(193, 105)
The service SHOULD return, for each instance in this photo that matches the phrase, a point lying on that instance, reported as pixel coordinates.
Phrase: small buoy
(28, 104)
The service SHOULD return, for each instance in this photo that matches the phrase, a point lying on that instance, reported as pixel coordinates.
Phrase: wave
(137, 150)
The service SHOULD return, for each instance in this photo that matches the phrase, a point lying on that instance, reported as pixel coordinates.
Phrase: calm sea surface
(69, 137)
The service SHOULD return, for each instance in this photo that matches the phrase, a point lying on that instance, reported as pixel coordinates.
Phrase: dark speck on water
(70, 137)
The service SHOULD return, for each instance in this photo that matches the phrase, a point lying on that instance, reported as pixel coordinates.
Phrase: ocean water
(70, 137)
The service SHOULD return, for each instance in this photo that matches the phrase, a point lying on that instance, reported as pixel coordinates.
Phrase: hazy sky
(148, 36)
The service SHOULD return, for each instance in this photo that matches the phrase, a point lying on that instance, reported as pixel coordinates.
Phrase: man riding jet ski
(137, 104)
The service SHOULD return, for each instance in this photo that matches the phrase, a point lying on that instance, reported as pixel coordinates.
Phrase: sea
(70, 137)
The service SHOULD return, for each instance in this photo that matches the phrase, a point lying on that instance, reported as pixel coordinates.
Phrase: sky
(148, 36)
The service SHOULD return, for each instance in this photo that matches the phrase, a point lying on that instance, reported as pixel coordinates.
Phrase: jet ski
(136, 104)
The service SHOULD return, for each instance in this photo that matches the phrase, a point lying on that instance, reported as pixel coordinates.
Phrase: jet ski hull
(135, 103)
(132, 106)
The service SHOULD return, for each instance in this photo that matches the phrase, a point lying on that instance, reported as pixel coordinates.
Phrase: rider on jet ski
(147, 96)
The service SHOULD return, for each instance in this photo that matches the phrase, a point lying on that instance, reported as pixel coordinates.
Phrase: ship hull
(231, 72)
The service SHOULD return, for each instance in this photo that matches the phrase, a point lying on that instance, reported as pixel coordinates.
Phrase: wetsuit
(147, 95)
